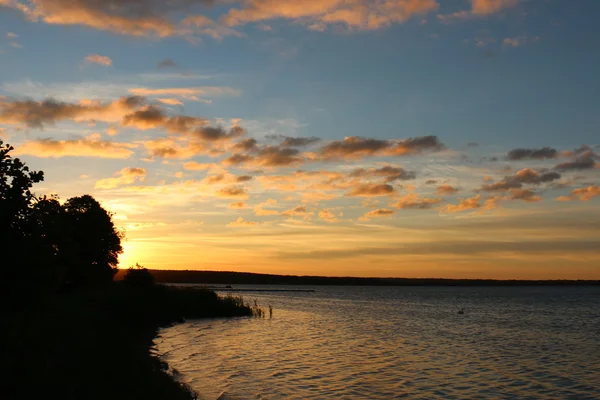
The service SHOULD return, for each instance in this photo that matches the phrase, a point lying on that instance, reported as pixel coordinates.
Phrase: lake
(397, 342)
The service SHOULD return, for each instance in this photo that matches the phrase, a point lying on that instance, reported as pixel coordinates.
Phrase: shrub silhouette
(138, 277)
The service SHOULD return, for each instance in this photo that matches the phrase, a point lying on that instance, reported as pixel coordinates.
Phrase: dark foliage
(69, 331)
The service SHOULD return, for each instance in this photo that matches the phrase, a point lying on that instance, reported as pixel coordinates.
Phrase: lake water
(397, 342)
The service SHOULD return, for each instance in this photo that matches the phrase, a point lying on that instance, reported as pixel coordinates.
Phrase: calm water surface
(397, 342)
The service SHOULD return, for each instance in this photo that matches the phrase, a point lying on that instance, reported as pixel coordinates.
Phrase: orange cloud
(369, 189)
(76, 148)
(523, 194)
(187, 93)
(260, 210)
(298, 211)
(444, 190)
(480, 8)
(232, 191)
(238, 204)
(471, 204)
(98, 59)
(317, 14)
(240, 222)
(382, 212)
(413, 200)
(583, 194)
(148, 18)
(327, 216)
(126, 176)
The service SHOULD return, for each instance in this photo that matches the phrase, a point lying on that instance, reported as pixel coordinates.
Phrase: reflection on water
(402, 342)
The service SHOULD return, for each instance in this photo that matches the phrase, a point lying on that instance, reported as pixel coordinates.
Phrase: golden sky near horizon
(389, 138)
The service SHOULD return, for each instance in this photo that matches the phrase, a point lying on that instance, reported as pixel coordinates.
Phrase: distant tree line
(50, 245)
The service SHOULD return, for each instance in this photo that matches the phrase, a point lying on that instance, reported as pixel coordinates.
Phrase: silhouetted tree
(95, 240)
(52, 245)
(16, 204)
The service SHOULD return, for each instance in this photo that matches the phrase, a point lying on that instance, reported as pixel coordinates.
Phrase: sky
(385, 138)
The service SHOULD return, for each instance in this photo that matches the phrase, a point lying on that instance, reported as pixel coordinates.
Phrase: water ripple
(395, 343)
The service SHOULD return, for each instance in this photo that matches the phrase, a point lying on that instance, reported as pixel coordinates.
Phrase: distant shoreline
(248, 278)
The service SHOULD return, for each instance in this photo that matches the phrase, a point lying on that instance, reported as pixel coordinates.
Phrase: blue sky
(482, 76)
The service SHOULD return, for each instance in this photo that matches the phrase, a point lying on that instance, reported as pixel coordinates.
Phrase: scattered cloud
(233, 191)
(98, 59)
(583, 161)
(298, 211)
(479, 8)
(471, 203)
(413, 201)
(526, 176)
(355, 147)
(389, 173)
(372, 190)
(167, 63)
(240, 222)
(126, 176)
(328, 216)
(445, 190)
(583, 194)
(187, 93)
(238, 205)
(49, 148)
(523, 194)
(519, 41)
(381, 212)
(318, 14)
(532, 154)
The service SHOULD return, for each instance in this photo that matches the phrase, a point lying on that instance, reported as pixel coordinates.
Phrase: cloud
(266, 156)
(412, 200)
(523, 194)
(444, 190)
(167, 63)
(170, 101)
(585, 160)
(519, 41)
(298, 211)
(37, 114)
(289, 141)
(186, 93)
(195, 166)
(382, 212)
(12, 35)
(327, 216)
(372, 190)
(522, 177)
(318, 14)
(355, 147)
(240, 222)
(583, 194)
(142, 18)
(471, 203)
(238, 205)
(232, 191)
(390, 173)
(480, 8)
(126, 176)
(98, 59)
(226, 178)
(76, 148)
(532, 154)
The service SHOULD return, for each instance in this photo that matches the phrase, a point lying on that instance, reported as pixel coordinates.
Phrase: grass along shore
(96, 344)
